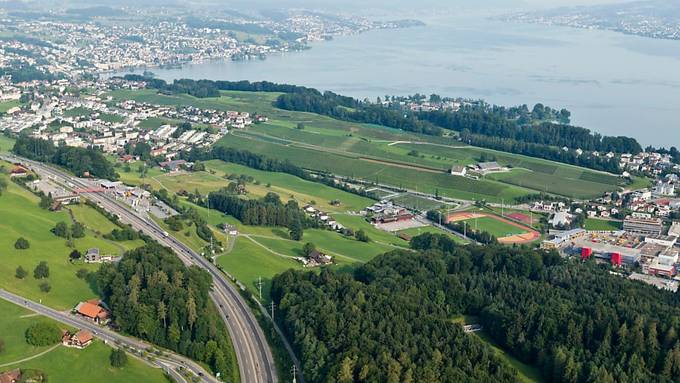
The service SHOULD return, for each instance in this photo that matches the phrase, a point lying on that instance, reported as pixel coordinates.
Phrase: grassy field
(386, 155)
(7, 105)
(22, 217)
(527, 373)
(415, 231)
(495, 227)
(602, 225)
(64, 364)
(6, 144)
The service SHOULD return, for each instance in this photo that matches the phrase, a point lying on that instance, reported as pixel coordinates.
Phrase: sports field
(63, 364)
(507, 232)
(386, 155)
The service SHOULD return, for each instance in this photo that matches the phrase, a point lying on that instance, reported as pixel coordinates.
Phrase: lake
(614, 84)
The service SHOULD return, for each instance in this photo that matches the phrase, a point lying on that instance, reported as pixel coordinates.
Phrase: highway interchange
(254, 357)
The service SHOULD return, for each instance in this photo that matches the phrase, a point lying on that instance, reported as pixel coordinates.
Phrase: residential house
(80, 339)
(94, 310)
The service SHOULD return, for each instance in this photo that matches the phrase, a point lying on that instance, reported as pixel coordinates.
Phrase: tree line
(267, 211)
(494, 122)
(153, 296)
(80, 161)
(209, 88)
(547, 152)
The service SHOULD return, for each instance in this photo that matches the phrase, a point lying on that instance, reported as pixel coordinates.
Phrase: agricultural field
(22, 217)
(386, 155)
(63, 364)
(602, 225)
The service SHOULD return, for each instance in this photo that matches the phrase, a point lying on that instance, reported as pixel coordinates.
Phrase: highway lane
(255, 360)
(169, 362)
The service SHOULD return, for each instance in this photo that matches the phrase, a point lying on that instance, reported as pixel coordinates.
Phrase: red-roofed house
(93, 310)
(80, 339)
(12, 376)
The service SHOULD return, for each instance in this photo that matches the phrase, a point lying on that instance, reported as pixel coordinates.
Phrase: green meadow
(63, 364)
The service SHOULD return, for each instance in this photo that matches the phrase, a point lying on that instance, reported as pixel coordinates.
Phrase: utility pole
(259, 286)
(502, 207)
(294, 371)
(272, 306)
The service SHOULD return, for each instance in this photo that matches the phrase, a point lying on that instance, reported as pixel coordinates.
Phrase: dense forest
(390, 320)
(80, 161)
(153, 296)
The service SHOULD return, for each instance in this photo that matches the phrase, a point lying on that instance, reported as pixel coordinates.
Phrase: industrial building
(643, 224)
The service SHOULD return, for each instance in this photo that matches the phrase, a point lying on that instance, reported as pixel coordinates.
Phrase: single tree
(21, 244)
(75, 255)
(21, 273)
(41, 271)
(78, 230)
(362, 236)
(45, 287)
(61, 230)
(118, 358)
(82, 273)
(308, 249)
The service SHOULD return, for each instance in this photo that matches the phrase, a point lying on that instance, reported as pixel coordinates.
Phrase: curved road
(169, 362)
(255, 360)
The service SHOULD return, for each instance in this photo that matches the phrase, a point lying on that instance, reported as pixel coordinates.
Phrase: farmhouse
(93, 310)
(173, 166)
(458, 170)
(317, 258)
(488, 167)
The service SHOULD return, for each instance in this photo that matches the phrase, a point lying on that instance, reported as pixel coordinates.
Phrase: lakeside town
(121, 39)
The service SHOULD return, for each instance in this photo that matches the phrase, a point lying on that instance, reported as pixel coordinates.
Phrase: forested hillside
(391, 319)
(153, 296)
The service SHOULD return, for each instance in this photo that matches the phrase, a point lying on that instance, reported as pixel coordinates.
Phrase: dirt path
(31, 357)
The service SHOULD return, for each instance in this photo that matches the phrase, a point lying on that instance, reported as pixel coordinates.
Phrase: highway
(168, 362)
(254, 357)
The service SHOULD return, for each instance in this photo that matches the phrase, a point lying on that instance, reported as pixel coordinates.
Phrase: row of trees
(547, 152)
(209, 88)
(80, 161)
(348, 109)
(494, 122)
(152, 295)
